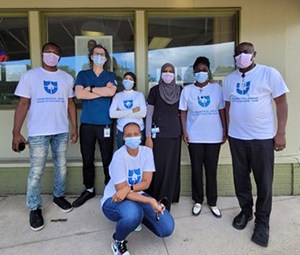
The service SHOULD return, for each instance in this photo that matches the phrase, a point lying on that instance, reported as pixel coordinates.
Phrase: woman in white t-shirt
(203, 124)
(124, 200)
(128, 106)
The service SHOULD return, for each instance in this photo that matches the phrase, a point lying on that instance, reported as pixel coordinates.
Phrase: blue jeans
(38, 149)
(120, 141)
(129, 214)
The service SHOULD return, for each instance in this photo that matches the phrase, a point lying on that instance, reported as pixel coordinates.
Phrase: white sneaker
(139, 228)
(197, 209)
(119, 247)
(215, 211)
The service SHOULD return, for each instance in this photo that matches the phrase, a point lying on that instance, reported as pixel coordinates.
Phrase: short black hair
(51, 44)
(131, 123)
(107, 63)
(133, 77)
(201, 60)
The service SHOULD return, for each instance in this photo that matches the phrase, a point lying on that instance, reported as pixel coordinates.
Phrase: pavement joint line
(55, 238)
(166, 246)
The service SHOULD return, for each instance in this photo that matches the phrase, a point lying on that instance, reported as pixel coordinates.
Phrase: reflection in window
(180, 40)
(14, 56)
(76, 35)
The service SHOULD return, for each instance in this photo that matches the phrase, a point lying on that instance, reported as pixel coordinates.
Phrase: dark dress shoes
(260, 235)
(85, 195)
(241, 220)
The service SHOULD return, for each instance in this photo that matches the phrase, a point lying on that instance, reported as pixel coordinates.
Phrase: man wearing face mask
(47, 93)
(128, 106)
(95, 87)
(249, 92)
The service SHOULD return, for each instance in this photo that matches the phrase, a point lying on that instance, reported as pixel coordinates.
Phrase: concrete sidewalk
(87, 231)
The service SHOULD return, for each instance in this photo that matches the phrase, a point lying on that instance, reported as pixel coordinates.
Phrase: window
(76, 35)
(14, 56)
(180, 40)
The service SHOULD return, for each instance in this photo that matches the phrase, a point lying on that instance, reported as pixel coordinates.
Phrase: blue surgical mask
(99, 60)
(128, 84)
(133, 142)
(201, 77)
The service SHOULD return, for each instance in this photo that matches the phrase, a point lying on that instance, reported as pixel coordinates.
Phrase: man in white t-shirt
(249, 93)
(124, 200)
(46, 93)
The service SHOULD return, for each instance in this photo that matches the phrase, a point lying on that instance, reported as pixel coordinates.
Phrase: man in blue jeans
(124, 200)
(47, 93)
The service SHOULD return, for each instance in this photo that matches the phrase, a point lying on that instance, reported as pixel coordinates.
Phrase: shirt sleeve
(80, 80)
(276, 83)
(142, 101)
(23, 89)
(222, 101)
(225, 91)
(113, 78)
(71, 93)
(183, 104)
(152, 96)
(117, 169)
(149, 163)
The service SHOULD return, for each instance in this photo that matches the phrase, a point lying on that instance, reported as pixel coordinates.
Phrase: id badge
(106, 132)
(154, 131)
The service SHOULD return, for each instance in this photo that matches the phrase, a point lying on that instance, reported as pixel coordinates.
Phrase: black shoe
(85, 195)
(260, 235)
(241, 220)
(36, 220)
(62, 203)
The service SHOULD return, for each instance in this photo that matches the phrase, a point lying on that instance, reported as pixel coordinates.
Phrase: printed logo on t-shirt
(204, 101)
(128, 104)
(134, 176)
(50, 87)
(243, 88)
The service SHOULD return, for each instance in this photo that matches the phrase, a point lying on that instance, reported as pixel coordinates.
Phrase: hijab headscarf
(170, 93)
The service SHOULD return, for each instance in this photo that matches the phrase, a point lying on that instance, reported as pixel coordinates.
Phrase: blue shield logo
(134, 176)
(50, 87)
(204, 101)
(128, 104)
(243, 89)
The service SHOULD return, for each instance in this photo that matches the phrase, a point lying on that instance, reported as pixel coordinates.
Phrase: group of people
(142, 177)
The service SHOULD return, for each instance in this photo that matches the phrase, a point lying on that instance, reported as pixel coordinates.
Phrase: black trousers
(258, 156)
(166, 178)
(89, 134)
(207, 155)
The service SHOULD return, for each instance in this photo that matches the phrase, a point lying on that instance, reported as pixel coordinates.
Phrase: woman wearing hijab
(163, 134)
(128, 106)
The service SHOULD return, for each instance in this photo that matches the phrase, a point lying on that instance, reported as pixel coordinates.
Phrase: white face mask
(167, 77)
(99, 60)
(201, 77)
(128, 84)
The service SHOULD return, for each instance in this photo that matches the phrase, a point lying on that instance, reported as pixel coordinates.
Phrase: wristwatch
(91, 88)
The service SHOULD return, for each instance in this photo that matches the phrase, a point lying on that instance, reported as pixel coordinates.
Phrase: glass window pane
(14, 56)
(180, 40)
(76, 34)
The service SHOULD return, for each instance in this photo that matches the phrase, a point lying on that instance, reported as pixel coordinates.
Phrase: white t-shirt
(251, 112)
(203, 122)
(124, 167)
(49, 93)
(127, 100)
